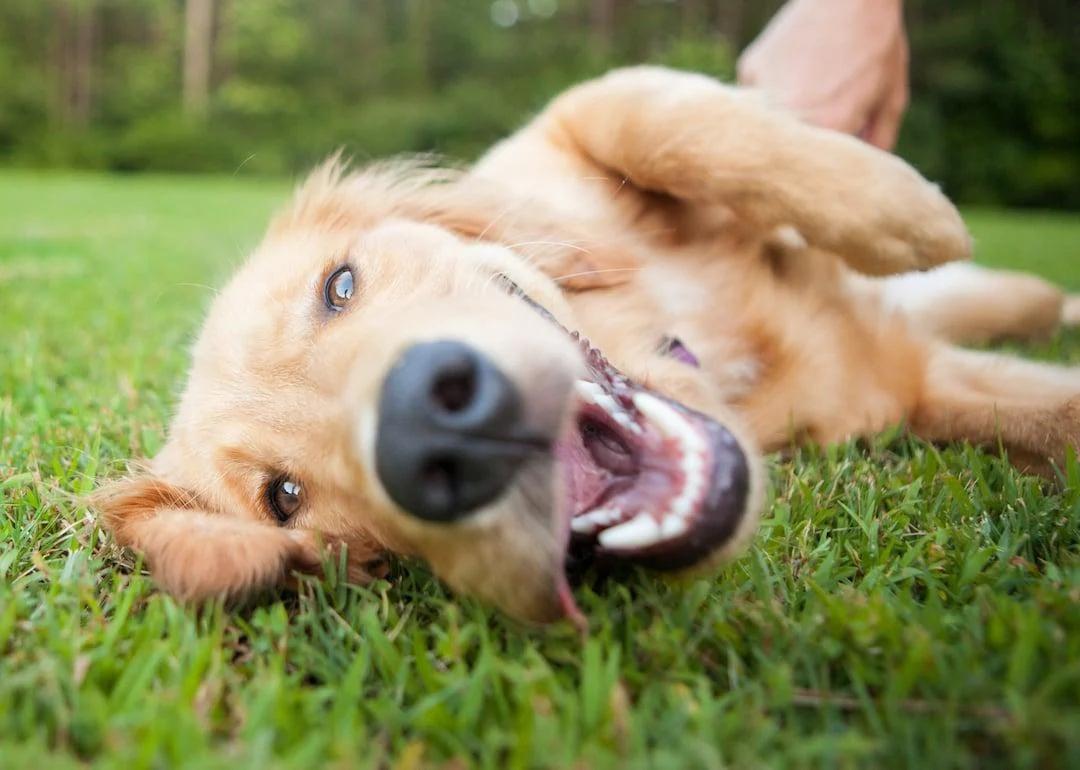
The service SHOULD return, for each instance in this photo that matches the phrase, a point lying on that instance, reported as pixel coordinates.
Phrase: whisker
(564, 244)
(594, 272)
(210, 289)
(510, 207)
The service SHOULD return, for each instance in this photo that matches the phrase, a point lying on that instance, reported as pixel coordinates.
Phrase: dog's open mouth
(645, 479)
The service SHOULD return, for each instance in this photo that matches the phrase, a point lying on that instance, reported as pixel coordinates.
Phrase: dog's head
(382, 374)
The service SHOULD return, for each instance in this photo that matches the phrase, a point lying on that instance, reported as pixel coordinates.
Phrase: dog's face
(393, 386)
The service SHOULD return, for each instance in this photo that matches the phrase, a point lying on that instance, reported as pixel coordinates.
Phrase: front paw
(879, 213)
(917, 226)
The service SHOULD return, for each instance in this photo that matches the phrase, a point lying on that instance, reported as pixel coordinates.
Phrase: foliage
(902, 606)
(994, 118)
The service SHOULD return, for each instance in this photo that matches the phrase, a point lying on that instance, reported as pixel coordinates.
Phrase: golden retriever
(581, 345)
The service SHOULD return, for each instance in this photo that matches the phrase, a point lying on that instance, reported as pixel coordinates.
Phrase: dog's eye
(285, 497)
(339, 288)
(510, 286)
(514, 290)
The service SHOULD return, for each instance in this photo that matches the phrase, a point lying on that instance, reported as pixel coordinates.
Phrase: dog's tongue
(646, 479)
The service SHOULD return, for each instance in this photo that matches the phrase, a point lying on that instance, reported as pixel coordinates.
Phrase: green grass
(902, 606)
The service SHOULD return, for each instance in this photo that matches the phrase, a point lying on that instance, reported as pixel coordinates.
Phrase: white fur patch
(674, 290)
(910, 292)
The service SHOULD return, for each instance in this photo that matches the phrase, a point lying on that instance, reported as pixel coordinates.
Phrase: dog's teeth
(588, 390)
(692, 447)
(673, 526)
(627, 423)
(583, 525)
(640, 532)
(588, 523)
(670, 423)
(693, 465)
(591, 393)
(680, 507)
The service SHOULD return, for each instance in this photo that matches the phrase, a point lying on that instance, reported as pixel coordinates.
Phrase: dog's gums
(645, 479)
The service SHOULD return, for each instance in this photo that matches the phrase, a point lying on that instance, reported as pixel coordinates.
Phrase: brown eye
(339, 289)
(285, 496)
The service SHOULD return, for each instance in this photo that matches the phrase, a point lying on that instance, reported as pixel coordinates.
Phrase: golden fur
(645, 203)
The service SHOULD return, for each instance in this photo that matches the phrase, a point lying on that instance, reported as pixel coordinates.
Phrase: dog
(579, 348)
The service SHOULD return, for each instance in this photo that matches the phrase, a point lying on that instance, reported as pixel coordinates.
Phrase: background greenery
(101, 84)
(902, 606)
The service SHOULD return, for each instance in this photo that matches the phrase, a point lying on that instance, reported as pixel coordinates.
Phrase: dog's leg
(1032, 410)
(690, 137)
(972, 304)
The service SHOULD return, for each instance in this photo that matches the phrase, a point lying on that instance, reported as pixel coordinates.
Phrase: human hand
(841, 64)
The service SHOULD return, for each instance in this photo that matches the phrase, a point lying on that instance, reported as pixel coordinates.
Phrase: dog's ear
(197, 554)
(577, 261)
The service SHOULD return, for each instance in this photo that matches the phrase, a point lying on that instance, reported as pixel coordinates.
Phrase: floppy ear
(576, 262)
(575, 259)
(193, 553)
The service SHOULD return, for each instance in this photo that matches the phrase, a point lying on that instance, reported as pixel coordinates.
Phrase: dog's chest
(692, 305)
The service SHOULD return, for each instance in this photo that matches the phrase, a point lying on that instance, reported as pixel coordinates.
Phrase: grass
(903, 606)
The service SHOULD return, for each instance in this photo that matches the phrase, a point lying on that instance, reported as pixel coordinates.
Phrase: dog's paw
(906, 223)
(869, 207)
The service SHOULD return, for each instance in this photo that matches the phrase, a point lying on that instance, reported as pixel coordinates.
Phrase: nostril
(455, 387)
(440, 480)
(450, 435)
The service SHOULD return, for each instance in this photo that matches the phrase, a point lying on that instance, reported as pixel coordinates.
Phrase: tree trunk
(198, 54)
(693, 18)
(730, 18)
(602, 23)
(74, 42)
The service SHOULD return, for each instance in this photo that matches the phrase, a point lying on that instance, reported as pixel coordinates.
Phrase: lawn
(903, 606)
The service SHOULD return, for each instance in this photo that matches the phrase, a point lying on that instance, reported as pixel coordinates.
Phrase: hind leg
(968, 304)
(1029, 409)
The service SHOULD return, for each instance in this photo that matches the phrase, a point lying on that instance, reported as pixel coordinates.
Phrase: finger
(844, 116)
(746, 70)
(883, 128)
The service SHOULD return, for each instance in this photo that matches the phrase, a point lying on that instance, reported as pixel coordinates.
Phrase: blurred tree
(602, 23)
(73, 45)
(198, 54)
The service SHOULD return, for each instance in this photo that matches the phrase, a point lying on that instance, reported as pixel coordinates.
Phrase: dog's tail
(1070, 311)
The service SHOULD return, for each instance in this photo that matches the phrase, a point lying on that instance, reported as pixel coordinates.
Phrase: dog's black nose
(450, 435)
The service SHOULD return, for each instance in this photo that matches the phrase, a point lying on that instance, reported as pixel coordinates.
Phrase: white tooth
(669, 422)
(673, 526)
(583, 525)
(693, 465)
(680, 508)
(592, 393)
(588, 523)
(607, 403)
(627, 423)
(640, 532)
(588, 390)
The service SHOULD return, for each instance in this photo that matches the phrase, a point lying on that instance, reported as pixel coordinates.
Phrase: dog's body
(728, 262)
